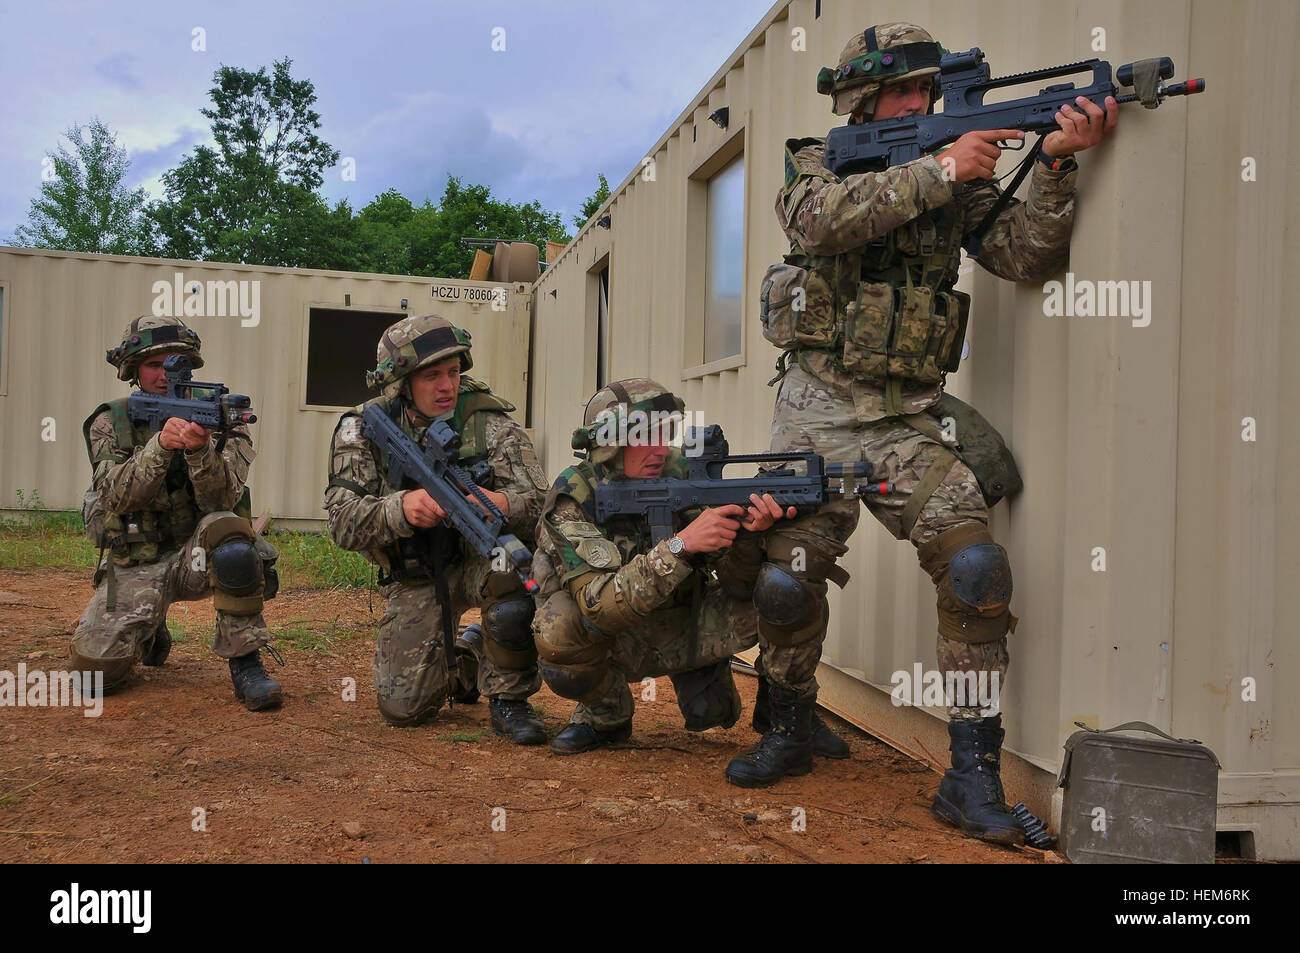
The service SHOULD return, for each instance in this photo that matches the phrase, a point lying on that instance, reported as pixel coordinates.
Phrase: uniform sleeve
(826, 216)
(612, 600)
(361, 518)
(518, 474)
(125, 480)
(219, 478)
(1030, 240)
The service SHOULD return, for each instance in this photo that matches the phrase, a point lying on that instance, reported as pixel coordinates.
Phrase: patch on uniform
(590, 545)
(598, 553)
(532, 467)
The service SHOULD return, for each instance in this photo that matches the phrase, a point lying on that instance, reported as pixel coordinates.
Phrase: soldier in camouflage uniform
(429, 575)
(874, 257)
(616, 607)
(171, 509)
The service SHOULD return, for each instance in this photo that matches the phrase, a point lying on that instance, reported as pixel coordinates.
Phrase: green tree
(384, 234)
(470, 211)
(593, 203)
(254, 198)
(87, 205)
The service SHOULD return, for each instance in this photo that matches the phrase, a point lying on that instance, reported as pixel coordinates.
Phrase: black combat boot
(826, 743)
(159, 647)
(469, 652)
(253, 686)
(577, 737)
(970, 794)
(785, 749)
(517, 721)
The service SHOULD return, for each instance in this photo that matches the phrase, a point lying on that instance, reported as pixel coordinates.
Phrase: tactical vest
(167, 521)
(887, 309)
(424, 554)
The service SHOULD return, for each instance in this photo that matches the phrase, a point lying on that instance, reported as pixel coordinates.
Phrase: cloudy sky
(410, 90)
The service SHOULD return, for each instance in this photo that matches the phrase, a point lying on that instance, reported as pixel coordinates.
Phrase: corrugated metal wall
(1130, 438)
(62, 310)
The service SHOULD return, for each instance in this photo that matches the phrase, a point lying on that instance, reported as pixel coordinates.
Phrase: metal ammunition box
(1131, 800)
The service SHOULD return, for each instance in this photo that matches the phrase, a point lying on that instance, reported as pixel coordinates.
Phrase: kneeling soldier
(173, 510)
(428, 574)
(617, 607)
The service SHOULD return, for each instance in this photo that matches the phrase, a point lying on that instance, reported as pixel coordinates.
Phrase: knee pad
(707, 697)
(790, 611)
(116, 670)
(573, 655)
(235, 567)
(578, 682)
(401, 717)
(972, 578)
(508, 628)
(236, 570)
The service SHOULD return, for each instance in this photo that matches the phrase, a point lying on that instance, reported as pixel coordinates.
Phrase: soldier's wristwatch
(676, 545)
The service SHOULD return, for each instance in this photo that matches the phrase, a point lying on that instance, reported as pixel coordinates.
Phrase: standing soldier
(617, 607)
(877, 257)
(172, 509)
(427, 572)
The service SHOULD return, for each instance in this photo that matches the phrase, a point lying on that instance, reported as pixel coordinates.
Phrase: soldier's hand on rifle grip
(194, 436)
(421, 510)
(975, 154)
(714, 529)
(764, 513)
(178, 434)
(1081, 128)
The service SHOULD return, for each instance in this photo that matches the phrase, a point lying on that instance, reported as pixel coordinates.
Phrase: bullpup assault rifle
(433, 470)
(209, 405)
(964, 81)
(658, 498)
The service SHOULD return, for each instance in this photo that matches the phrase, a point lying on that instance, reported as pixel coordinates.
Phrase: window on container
(602, 329)
(724, 273)
(340, 349)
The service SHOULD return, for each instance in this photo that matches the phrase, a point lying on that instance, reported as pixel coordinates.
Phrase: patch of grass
(37, 538)
(312, 560)
(477, 735)
(307, 639)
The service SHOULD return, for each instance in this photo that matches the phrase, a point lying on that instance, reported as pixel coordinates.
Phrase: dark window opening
(340, 349)
(602, 331)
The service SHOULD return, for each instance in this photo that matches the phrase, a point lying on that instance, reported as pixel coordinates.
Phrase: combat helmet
(878, 56)
(621, 408)
(413, 343)
(147, 335)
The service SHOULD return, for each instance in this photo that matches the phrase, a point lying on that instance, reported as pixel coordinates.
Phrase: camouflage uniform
(412, 680)
(849, 400)
(876, 256)
(618, 608)
(162, 514)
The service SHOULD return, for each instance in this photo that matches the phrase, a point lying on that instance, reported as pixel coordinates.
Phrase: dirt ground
(323, 779)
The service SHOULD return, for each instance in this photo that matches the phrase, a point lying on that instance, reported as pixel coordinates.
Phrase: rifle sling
(347, 484)
(975, 240)
(441, 590)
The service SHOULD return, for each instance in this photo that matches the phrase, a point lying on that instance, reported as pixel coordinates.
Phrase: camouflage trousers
(691, 644)
(114, 641)
(810, 416)
(412, 680)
